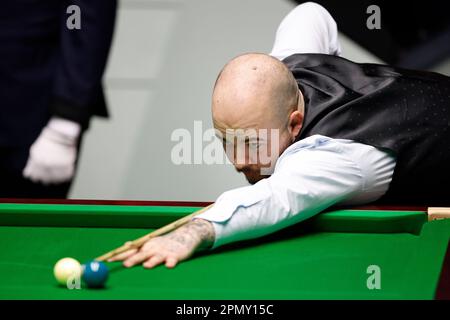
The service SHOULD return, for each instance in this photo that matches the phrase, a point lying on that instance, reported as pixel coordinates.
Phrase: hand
(171, 248)
(52, 156)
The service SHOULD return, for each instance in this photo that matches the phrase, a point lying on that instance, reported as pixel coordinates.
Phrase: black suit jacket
(46, 69)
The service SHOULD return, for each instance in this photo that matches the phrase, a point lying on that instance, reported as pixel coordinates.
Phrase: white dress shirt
(308, 28)
(312, 174)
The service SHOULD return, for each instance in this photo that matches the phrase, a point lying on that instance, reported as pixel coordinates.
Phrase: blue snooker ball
(95, 274)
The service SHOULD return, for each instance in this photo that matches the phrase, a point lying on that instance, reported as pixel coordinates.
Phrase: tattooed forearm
(181, 238)
(198, 230)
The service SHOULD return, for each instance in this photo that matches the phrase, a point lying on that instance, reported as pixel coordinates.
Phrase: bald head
(252, 88)
(256, 92)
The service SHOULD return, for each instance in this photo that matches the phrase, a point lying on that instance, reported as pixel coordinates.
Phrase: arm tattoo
(182, 238)
(199, 230)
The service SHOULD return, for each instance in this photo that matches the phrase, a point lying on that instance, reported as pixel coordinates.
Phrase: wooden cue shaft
(437, 213)
(135, 244)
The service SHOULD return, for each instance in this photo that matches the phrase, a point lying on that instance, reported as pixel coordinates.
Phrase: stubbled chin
(254, 179)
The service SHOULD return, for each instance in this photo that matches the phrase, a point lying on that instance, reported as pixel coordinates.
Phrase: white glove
(53, 154)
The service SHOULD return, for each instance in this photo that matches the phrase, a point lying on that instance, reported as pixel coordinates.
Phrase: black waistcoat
(405, 112)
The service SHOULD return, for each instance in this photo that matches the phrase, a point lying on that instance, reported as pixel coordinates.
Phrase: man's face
(252, 142)
(254, 113)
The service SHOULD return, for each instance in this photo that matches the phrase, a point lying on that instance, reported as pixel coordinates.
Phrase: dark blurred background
(413, 34)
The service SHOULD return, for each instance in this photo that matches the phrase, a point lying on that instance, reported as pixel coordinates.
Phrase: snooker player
(349, 133)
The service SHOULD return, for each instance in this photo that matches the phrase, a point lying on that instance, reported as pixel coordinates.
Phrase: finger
(137, 258)
(153, 261)
(171, 262)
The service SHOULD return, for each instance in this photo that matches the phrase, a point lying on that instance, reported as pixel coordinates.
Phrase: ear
(295, 124)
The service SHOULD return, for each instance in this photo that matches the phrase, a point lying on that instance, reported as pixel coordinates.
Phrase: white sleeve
(310, 176)
(309, 28)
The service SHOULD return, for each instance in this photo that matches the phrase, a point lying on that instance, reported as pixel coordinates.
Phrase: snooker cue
(135, 244)
(438, 213)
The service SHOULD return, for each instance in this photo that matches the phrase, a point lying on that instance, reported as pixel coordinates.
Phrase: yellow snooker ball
(65, 269)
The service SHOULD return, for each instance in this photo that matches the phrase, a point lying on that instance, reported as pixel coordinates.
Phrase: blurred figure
(50, 87)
